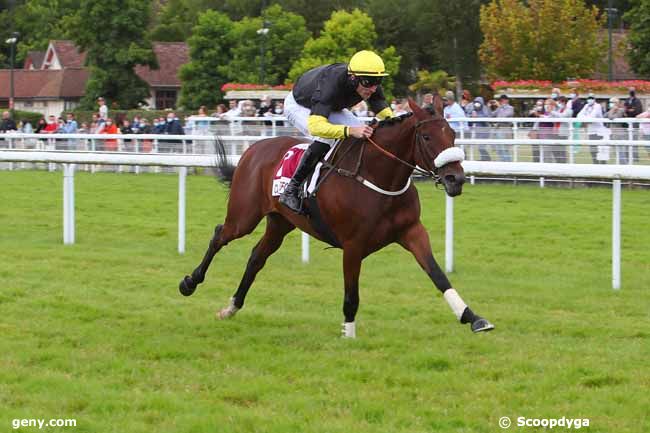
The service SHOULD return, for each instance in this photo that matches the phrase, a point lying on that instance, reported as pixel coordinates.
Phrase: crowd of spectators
(544, 124)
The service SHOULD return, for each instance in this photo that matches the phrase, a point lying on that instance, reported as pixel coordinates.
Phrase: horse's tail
(224, 169)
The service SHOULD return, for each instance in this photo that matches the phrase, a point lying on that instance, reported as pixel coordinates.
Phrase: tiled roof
(44, 84)
(171, 56)
(68, 54)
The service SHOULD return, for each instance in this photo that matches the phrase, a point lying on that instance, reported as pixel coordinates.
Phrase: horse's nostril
(450, 178)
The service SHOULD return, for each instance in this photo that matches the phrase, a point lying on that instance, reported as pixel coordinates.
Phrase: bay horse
(360, 220)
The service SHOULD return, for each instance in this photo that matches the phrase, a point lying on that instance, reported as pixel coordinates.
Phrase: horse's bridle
(420, 147)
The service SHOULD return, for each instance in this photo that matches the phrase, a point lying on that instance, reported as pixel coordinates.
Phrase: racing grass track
(98, 332)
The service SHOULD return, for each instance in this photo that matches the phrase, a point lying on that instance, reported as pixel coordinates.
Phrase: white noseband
(452, 154)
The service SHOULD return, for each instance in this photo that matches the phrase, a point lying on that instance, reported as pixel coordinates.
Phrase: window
(70, 105)
(165, 99)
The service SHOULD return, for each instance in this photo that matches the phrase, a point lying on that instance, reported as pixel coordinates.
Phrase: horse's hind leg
(416, 240)
(277, 228)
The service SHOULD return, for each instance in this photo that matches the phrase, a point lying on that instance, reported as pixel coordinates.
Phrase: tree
(639, 52)
(543, 39)
(38, 22)
(210, 53)
(282, 45)
(433, 81)
(112, 33)
(344, 34)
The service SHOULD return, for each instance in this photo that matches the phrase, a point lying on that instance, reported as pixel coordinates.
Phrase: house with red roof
(54, 81)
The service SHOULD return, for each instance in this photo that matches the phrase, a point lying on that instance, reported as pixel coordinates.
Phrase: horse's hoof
(187, 286)
(481, 325)
(228, 312)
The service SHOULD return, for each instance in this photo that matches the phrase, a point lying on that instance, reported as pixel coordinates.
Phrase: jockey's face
(366, 92)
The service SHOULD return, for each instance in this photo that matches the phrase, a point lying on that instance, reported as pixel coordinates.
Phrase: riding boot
(291, 195)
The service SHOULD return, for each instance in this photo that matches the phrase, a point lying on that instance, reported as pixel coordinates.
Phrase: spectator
(633, 105)
(537, 112)
(125, 128)
(481, 129)
(562, 129)
(466, 103)
(159, 125)
(40, 125)
(220, 111)
(70, 126)
(234, 110)
(575, 103)
(427, 100)
(453, 111)
(555, 94)
(26, 127)
(594, 129)
(173, 127)
(7, 124)
(503, 109)
(83, 129)
(103, 109)
(110, 128)
(644, 127)
(265, 110)
(402, 108)
(619, 130)
(145, 128)
(202, 111)
(51, 126)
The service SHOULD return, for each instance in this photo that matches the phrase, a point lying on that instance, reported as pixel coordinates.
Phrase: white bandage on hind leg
(455, 302)
(349, 330)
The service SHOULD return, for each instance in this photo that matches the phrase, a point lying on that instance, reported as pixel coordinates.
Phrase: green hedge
(30, 116)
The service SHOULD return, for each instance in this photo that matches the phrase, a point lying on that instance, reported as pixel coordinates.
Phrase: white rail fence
(70, 159)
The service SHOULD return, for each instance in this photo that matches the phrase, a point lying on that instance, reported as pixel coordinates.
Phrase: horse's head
(434, 147)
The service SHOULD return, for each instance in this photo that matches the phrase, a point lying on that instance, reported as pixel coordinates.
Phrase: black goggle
(370, 81)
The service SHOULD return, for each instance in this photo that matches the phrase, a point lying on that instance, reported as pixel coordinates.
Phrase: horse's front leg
(416, 240)
(351, 269)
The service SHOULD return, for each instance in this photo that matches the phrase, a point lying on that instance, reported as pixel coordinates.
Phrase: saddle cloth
(287, 167)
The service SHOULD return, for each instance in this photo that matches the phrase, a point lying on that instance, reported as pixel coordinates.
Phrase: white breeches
(298, 116)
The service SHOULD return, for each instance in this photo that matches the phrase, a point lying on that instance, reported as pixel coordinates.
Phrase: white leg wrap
(349, 330)
(229, 311)
(455, 302)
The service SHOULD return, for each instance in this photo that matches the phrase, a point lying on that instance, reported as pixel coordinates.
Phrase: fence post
(182, 175)
(449, 234)
(68, 204)
(616, 234)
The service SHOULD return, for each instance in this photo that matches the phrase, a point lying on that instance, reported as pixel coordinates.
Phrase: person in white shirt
(453, 110)
(595, 130)
(103, 109)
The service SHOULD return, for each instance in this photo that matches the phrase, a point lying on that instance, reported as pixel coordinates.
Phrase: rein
(426, 173)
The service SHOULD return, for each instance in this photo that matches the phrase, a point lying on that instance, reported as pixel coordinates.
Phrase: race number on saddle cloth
(287, 168)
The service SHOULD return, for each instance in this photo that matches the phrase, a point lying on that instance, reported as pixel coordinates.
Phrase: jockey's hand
(364, 131)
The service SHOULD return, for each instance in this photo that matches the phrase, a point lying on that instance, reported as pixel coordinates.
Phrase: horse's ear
(415, 108)
(437, 105)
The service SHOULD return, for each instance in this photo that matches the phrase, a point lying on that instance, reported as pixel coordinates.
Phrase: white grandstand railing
(69, 159)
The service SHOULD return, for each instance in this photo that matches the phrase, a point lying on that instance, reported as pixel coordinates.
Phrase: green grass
(98, 332)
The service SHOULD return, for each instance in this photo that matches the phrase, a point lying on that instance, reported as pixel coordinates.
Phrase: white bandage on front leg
(455, 302)
(349, 330)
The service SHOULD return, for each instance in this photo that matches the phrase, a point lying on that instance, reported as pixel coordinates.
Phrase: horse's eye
(426, 137)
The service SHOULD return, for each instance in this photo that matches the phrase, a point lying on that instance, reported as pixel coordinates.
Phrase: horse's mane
(390, 121)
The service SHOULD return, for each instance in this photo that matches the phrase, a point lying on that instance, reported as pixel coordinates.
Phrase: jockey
(319, 106)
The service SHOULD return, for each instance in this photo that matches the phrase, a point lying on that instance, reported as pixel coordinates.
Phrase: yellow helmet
(367, 63)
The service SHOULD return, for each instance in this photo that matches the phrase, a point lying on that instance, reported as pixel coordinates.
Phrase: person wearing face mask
(501, 110)
(481, 129)
(319, 107)
(265, 110)
(574, 102)
(595, 130)
(173, 127)
(563, 110)
(619, 130)
(633, 105)
(110, 128)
